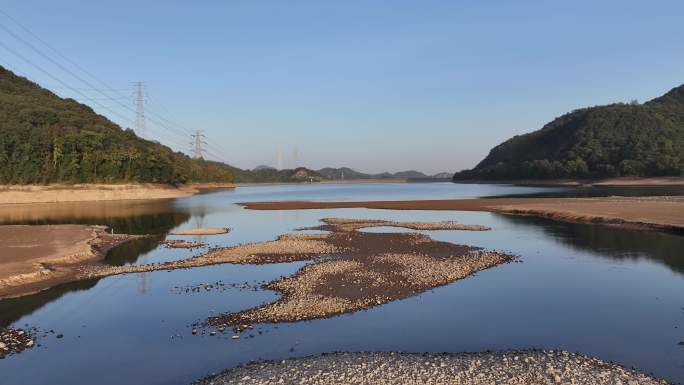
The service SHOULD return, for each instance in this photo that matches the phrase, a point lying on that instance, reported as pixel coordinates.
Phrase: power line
(183, 132)
(60, 81)
(46, 44)
(141, 118)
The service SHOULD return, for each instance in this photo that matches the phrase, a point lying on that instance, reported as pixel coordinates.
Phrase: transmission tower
(196, 143)
(140, 108)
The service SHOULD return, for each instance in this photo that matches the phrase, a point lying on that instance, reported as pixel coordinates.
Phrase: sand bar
(655, 213)
(201, 231)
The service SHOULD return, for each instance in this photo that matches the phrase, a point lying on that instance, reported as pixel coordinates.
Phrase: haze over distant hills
(604, 141)
(264, 173)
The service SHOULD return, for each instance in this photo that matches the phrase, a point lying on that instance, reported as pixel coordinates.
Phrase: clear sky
(373, 85)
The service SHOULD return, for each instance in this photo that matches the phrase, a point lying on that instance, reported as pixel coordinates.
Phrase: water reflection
(14, 308)
(129, 217)
(129, 252)
(611, 242)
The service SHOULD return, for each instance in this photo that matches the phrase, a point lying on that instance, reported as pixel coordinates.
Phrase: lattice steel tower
(140, 108)
(197, 142)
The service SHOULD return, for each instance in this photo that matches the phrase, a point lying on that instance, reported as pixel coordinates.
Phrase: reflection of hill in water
(128, 252)
(612, 242)
(14, 308)
(129, 217)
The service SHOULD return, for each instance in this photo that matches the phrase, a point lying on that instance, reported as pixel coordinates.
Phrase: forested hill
(48, 139)
(605, 141)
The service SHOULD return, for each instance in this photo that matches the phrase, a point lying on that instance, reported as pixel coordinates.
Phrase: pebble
(542, 368)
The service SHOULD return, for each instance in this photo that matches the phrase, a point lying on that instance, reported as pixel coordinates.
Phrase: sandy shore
(33, 258)
(656, 213)
(528, 367)
(99, 192)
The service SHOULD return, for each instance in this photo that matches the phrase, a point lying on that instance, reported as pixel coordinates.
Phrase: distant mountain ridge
(348, 173)
(604, 141)
(264, 173)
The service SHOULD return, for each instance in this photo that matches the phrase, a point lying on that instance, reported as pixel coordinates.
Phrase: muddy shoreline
(57, 193)
(528, 367)
(648, 213)
(38, 257)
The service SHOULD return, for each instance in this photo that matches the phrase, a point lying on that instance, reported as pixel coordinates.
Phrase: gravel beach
(529, 367)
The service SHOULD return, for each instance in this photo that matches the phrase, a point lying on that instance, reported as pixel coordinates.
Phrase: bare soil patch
(33, 258)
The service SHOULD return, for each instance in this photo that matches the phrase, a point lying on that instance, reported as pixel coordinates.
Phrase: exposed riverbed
(606, 292)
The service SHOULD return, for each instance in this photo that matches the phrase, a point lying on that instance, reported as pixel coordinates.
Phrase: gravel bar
(507, 367)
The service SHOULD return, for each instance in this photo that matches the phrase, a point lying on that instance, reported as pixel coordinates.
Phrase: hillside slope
(604, 141)
(48, 139)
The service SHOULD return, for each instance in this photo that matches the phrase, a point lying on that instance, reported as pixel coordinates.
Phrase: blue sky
(373, 85)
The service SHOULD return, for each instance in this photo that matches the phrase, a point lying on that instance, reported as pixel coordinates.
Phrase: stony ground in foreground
(13, 341)
(511, 367)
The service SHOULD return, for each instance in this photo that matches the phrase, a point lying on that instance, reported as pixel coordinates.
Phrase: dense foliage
(47, 139)
(615, 140)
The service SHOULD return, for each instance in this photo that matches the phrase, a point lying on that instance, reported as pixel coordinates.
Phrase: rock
(4, 346)
(235, 337)
(60, 335)
(681, 343)
(29, 344)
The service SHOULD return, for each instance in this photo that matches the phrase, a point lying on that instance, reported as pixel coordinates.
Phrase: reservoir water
(607, 292)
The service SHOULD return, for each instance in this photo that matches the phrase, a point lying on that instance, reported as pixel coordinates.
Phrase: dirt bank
(656, 213)
(33, 258)
(528, 367)
(99, 192)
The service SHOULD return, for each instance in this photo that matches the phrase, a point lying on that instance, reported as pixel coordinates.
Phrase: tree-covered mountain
(272, 175)
(604, 141)
(48, 139)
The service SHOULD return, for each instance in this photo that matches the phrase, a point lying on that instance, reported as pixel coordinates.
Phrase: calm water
(607, 292)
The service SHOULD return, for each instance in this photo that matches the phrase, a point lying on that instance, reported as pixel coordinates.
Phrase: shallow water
(602, 291)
